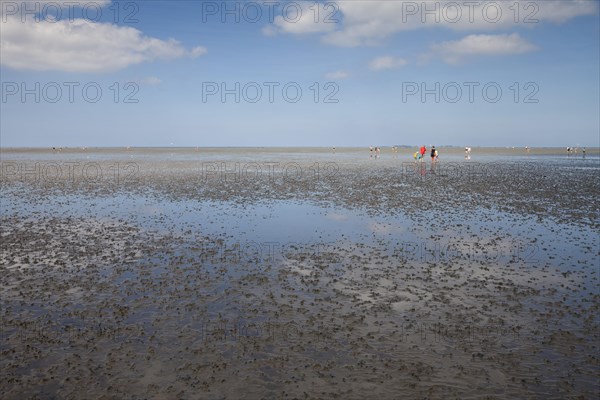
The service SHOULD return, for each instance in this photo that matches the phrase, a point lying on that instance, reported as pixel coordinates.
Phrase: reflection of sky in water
(277, 221)
(481, 235)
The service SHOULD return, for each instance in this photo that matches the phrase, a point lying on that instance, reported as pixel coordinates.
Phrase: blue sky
(371, 60)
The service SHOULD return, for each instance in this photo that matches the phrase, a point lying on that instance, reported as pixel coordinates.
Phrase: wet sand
(299, 273)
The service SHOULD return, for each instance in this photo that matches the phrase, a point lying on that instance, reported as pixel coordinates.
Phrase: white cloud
(303, 17)
(198, 51)
(366, 22)
(453, 52)
(562, 11)
(82, 46)
(337, 75)
(387, 62)
(370, 22)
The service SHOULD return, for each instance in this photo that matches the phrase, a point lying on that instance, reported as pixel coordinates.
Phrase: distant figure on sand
(433, 154)
(423, 150)
(467, 153)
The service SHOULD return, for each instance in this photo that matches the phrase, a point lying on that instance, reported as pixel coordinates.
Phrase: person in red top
(423, 150)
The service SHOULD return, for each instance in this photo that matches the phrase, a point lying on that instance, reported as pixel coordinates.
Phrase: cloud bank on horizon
(358, 43)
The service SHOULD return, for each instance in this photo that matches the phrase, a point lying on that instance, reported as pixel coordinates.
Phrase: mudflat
(299, 273)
